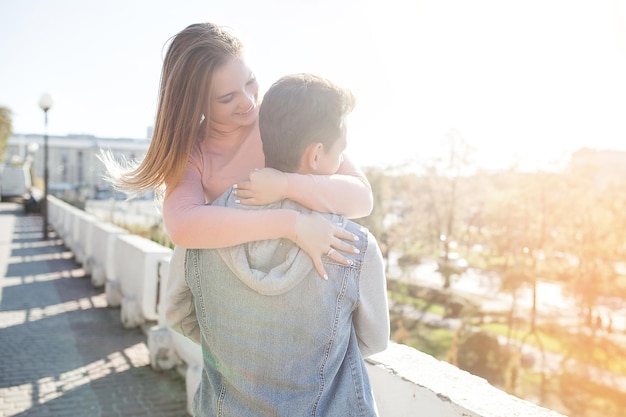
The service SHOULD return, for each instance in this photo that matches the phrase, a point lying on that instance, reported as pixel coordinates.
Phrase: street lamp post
(45, 103)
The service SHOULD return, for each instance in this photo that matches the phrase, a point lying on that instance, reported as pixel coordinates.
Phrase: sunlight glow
(526, 83)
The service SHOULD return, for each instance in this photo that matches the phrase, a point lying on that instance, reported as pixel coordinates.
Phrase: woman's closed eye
(226, 99)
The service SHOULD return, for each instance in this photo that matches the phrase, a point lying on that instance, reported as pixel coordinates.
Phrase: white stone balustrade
(82, 227)
(137, 270)
(406, 382)
(55, 211)
(100, 260)
(68, 226)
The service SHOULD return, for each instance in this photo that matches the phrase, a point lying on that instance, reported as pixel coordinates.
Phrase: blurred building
(73, 163)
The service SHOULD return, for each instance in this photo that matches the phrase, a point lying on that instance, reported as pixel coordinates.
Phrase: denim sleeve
(371, 318)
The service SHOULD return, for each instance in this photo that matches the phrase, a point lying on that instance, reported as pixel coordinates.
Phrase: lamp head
(45, 102)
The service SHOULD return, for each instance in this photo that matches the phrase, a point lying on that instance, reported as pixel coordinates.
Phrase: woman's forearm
(341, 194)
(348, 192)
(210, 227)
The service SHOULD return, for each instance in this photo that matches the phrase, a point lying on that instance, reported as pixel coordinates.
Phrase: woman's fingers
(318, 238)
(342, 244)
(339, 250)
(264, 186)
(244, 193)
(319, 266)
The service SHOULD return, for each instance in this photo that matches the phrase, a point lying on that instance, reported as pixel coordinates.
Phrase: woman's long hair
(183, 110)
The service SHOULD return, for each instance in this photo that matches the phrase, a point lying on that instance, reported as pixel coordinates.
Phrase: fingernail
(356, 250)
(325, 277)
(235, 186)
(356, 238)
(235, 191)
(237, 201)
(350, 262)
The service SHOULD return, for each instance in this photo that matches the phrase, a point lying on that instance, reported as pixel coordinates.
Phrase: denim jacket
(277, 340)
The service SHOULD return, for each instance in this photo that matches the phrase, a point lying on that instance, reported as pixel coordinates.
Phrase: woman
(206, 139)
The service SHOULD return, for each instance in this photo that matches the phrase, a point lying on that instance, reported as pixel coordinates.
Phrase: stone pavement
(63, 352)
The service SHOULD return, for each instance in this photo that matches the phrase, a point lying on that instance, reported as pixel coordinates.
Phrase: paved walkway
(63, 352)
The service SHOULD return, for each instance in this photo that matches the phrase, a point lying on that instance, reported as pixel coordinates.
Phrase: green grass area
(433, 341)
(549, 342)
(602, 353)
(417, 303)
(579, 347)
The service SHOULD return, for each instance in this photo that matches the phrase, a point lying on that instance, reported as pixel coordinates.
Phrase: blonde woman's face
(235, 93)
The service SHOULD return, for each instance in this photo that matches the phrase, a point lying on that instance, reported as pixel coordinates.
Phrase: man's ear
(310, 158)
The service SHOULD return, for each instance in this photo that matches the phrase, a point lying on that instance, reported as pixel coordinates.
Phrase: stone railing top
(443, 390)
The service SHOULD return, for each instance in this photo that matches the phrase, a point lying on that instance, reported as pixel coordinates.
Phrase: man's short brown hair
(298, 110)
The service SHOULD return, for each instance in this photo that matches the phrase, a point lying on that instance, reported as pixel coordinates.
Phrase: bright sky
(519, 80)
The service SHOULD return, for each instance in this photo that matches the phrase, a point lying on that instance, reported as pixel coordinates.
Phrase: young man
(276, 339)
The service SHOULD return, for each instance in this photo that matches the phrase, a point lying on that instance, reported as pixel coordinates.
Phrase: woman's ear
(310, 158)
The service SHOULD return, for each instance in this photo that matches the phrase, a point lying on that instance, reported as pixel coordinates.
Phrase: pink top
(217, 164)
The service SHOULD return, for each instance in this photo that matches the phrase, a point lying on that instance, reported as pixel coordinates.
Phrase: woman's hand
(264, 186)
(318, 237)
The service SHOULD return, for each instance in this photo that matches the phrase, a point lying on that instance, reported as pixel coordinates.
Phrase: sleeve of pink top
(193, 224)
(348, 192)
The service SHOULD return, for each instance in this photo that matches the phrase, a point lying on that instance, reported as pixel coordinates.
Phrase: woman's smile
(248, 111)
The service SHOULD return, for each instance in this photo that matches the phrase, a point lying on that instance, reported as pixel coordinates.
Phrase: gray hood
(269, 267)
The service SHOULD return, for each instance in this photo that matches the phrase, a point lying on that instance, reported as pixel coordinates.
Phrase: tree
(447, 194)
(396, 220)
(593, 236)
(376, 221)
(481, 354)
(6, 128)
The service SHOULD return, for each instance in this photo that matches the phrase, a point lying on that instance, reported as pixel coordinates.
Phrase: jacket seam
(330, 343)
